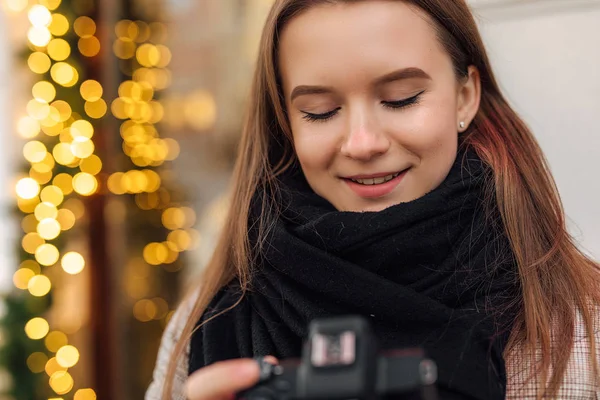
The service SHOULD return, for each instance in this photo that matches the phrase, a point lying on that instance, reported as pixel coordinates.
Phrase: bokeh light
(85, 184)
(59, 25)
(59, 49)
(39, 285)
(36, 362)
(47, 254)
(85, 394)
(37, 328)
(67, 356)
(39, 62)
(55, 340)
(27, 188)
(61, 382)
(73, 263)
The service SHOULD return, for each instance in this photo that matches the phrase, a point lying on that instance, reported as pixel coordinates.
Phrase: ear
(469, 96)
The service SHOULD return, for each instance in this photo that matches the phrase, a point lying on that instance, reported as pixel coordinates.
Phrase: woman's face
(373, 102)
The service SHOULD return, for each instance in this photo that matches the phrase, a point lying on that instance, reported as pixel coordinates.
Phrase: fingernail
(266, 368)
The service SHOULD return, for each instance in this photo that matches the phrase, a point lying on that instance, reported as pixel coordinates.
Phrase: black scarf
(436, 272)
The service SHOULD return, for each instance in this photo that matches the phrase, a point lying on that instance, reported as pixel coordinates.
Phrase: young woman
(381, 172)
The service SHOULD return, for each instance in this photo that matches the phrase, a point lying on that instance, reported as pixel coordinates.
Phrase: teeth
(376, 181)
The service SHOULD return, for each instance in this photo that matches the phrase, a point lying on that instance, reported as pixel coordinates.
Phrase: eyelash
(394, 105)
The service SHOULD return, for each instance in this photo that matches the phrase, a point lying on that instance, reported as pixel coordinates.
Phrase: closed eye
(396, 104)
(320, 117)
(403, 103)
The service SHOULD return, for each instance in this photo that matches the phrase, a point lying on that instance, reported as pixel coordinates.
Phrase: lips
(374, 186)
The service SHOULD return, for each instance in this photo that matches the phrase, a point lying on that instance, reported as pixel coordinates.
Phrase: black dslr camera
(341, 360)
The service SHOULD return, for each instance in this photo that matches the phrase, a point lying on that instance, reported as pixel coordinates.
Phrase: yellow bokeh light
(66, 219)
(200, 110)
(82, 147)
(40, 177)
(52, 120)
(53, 195)
(32, 265)
(27, 188)
(89, 46)
(55, 340)
(16, 5)
(52, 366)
(156, 253)
(91, 165)
(96, 109)
(47, 254)
(144, 310)
(31, 242)
(122, 28)
(67, 356)
(114, 183)
(37, 109)
(43, 91)
(76, 206)
(85, 394)
(64, 182)
(62, 73)
(39, 16)
(44, 167)
(153, 180)
(173, 218)
(143, 31)
(73, 263)
(37, 328)
(64, 109)
(84, 27)
(39, 285)
(82, 128)
(50, 4)
(39, 62)
(124, 49)
(39, 36)
(21, 278)
(117, 108)
(162, 307)
(85, 184)
(165, 56)
(28, 127)
(36, 362)
(48, 228)
(34, 151)
(29, 223)
(147, 55)
(61, 382)
(59, 25)
(62, 154)
(59, 49)
(45, 210)
(91, 90)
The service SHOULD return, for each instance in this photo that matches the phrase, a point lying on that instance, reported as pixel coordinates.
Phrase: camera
(341, 360)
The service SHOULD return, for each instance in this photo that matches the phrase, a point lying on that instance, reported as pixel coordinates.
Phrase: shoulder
(170, 336)
(578, 381)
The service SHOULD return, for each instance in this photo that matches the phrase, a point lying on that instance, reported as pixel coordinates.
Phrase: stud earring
(462, 124)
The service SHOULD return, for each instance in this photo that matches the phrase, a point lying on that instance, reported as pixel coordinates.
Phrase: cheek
(316, 146)
(430, 128)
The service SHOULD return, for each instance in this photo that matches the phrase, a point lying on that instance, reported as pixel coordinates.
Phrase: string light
(42, 194)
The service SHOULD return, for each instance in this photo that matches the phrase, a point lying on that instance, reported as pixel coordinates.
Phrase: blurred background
(119, 121)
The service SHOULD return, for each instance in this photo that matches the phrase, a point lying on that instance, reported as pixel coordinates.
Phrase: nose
(365, 140)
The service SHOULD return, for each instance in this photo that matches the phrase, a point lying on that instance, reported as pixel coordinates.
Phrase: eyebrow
(401, 74)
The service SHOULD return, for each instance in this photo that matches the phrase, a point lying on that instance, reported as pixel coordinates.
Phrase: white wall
(7, 226)
(546, 55)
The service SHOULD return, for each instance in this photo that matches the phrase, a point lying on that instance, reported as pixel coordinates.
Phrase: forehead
(353, 39)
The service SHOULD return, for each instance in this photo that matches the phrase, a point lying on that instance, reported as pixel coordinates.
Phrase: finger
(222, 379)
(271, 359)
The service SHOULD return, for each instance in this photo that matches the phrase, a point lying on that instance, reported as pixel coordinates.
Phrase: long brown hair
(557, 279)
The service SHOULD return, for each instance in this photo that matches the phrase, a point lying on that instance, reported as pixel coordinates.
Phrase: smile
(376, 181)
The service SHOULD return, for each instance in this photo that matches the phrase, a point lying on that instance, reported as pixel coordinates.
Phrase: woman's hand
(222, 380)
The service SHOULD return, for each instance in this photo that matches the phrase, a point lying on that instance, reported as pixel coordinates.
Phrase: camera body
(341, 360)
